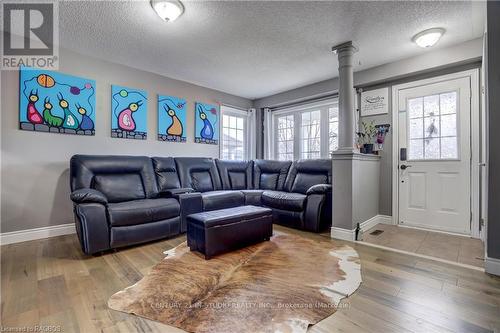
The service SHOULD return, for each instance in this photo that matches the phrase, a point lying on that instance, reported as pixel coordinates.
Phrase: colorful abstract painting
(206, 124)
(129, 108)
(54, 102)
(171, 119)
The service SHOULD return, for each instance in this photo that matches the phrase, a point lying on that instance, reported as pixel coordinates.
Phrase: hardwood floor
(50, 282)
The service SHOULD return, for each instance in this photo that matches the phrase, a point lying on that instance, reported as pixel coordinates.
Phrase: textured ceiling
(258, 48)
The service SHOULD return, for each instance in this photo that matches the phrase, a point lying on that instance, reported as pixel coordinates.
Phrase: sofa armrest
(88, 195)
(92, 227)
(313, 212)
(176, 192)
(190, 203)
(319, 189)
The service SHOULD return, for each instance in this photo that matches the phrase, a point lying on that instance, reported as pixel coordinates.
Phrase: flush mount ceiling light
(428, 38)
(168, 10)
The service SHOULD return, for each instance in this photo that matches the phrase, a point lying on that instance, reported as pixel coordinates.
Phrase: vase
(368, 148)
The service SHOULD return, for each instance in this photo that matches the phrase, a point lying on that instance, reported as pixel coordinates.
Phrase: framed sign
(375, 102)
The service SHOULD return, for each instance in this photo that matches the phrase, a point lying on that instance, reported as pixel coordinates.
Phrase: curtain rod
(303, 101)
(234, 106)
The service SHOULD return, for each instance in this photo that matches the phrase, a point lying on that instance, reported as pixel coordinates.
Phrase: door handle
(404, 166)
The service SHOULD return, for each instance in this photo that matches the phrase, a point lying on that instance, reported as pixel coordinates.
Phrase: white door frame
(473, 75)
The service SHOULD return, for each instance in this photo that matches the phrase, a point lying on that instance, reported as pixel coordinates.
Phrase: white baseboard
(377, 219)
(492, 266)
(343, 234)
(37, 233)
(350, 235)
(385, 219)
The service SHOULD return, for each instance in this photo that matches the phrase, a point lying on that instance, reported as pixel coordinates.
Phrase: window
(432, 130)
(285, 135)
(235, 134)
(310, 140)
(333, 129)
(310, 131)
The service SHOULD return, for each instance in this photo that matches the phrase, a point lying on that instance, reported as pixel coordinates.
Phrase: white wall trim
(343, 234)
(475, 133)
(377, 219)
(350, 235)
(492, 266)
(37, 233)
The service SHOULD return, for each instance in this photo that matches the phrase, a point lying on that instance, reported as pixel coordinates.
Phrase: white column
(345, 53)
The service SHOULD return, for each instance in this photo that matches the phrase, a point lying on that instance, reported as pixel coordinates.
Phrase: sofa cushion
(270, 175)
(199, 173)
(304, 181)
(142, 211)
(305, 173)
(166, 173)
(222, 199)
(284, 200)
(127, 170)
(201, 181)
(120, 187)
(235, 175)
(252, 197)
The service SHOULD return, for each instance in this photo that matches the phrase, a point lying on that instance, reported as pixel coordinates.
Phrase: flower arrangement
(382, 131)
(366, 137)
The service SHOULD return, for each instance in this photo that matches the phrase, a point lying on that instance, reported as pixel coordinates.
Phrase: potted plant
(368, 135)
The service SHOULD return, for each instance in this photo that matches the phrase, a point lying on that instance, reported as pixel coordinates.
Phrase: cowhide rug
(283, 285)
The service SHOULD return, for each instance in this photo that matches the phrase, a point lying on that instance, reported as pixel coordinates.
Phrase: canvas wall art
(55, 102)
(171, 119)
(129, 108)
(206, 124)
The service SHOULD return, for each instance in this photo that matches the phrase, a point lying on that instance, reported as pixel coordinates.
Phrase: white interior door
(435, 156)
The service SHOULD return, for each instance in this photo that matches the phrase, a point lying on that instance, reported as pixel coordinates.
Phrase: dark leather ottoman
(218, 231)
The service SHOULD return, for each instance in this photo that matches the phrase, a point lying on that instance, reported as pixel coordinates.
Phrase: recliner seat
(299, 193)
(284, 200)
(117, 204)
(203, 176)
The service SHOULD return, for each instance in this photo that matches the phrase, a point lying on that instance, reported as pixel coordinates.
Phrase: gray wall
(356, 189)
(385, 183)
(493, 82)
(433, 63)
(34, 167)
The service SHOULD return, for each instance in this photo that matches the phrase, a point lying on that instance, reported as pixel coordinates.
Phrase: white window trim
(250, 148)
(296, 111)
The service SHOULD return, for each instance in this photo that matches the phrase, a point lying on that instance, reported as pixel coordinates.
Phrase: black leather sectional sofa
(124, 200)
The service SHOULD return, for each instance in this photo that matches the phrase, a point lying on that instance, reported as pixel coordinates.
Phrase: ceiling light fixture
(429, 37)
(168, 10)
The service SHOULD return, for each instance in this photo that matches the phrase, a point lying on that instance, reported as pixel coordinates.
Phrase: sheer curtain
(268, 132)
(251, 134)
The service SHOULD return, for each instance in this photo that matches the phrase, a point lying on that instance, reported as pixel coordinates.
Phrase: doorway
(434, 174)
(435, 166)
(436, 154)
